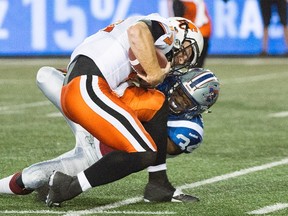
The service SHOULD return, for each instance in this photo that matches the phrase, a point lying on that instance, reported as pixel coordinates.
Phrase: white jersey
(108, 48)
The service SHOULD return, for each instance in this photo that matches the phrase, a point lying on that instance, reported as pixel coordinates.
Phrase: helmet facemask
(180, 101)
(190, 62)
(185, 31)
(193, 92)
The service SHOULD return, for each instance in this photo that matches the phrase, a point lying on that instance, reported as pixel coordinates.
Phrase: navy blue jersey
(184, 130)
(186, 133)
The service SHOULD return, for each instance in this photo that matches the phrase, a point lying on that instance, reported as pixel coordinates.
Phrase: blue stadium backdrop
(56, 27)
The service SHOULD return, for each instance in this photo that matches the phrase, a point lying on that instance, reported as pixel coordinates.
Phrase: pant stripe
(113, 113)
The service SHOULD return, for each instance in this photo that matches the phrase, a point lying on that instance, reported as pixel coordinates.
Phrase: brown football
(136, 66)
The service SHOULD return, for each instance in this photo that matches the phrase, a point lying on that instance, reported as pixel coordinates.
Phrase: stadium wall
(56, 27)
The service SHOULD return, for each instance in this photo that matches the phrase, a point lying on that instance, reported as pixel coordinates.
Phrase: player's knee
(151, 157)
(136, 161)
(143, 159)
(34, 179)
(44, 73)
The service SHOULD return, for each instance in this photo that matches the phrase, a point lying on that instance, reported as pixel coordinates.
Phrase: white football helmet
(186, 31)
(193, 92)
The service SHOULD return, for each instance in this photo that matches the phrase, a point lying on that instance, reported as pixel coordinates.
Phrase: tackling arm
(173, 149)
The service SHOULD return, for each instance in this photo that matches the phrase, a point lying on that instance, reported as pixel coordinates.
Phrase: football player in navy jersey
(189, 94)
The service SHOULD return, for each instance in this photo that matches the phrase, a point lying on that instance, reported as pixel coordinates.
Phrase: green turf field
(241, 166)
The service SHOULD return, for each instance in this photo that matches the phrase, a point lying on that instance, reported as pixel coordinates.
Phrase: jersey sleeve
(161, 31)
(187, 134)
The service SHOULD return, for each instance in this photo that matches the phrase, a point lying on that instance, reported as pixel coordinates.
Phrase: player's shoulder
(161, 30)
(163, 22)
(186, 118)
(180, 124)
(187, 133)
(156, 17)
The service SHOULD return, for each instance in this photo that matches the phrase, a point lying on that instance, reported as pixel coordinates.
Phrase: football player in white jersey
(98, 66)
(185, 131)
(88, 97)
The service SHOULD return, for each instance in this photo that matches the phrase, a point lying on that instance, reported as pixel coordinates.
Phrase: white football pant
(86, 151)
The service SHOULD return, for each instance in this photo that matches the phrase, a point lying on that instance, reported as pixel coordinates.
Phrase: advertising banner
(56, 27)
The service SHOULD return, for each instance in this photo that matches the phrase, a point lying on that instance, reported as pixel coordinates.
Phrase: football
(136, 66)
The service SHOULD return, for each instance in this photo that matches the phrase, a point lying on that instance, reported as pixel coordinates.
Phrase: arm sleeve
(155, 28)
(186, 134)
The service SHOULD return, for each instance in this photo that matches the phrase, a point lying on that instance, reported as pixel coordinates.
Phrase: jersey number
(186, 140)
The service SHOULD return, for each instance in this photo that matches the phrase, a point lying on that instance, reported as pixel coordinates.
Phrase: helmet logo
(212, 95)
(192, 27)
(184, 24)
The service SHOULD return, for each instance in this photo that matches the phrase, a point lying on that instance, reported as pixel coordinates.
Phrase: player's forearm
(172, 149)
(142, 45)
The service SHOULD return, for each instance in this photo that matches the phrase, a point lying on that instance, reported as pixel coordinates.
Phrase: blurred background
(56, 27)
(247, 127)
